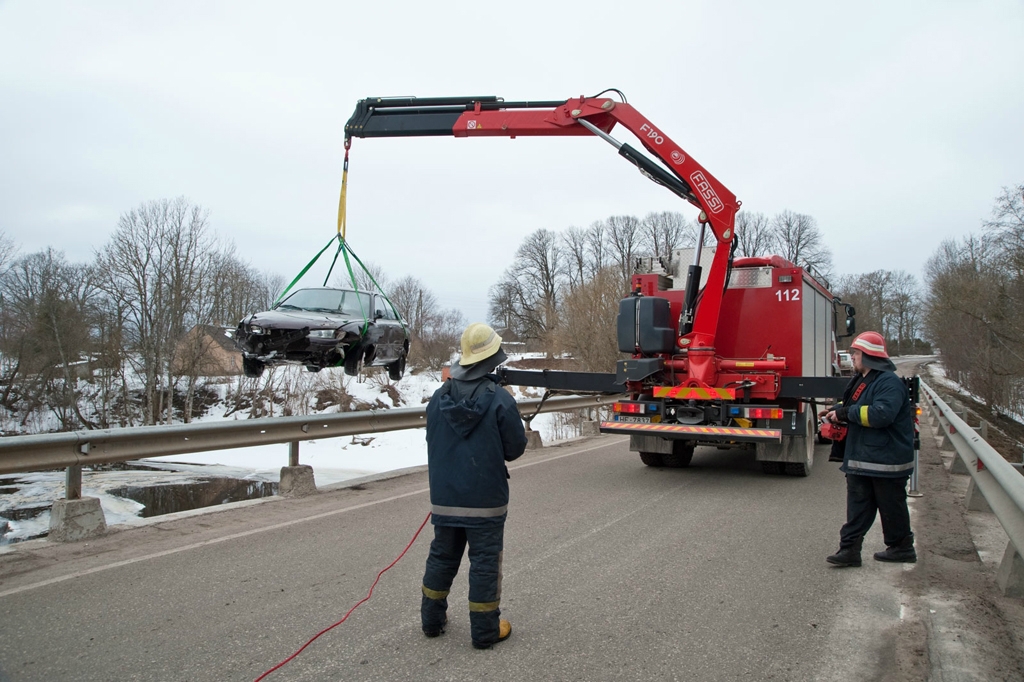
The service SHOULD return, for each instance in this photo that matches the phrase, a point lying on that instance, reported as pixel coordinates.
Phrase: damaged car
(325, 327)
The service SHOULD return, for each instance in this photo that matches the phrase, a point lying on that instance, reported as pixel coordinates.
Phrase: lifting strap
(344, 249)
(344, 192)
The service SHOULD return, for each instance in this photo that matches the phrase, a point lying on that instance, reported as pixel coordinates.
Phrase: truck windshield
(337, 301)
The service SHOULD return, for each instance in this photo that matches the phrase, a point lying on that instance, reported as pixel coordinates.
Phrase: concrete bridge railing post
(297, 480)
(75, 517)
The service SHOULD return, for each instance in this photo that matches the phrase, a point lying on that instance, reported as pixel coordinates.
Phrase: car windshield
(328, 301)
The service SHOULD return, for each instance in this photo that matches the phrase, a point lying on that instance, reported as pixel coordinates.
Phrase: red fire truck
(736, 358)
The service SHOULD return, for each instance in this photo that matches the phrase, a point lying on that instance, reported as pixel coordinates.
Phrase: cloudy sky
(895, 124)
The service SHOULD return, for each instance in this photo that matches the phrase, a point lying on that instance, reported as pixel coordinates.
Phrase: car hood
(297, 319)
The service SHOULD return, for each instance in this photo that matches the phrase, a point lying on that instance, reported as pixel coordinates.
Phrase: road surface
(613, 571)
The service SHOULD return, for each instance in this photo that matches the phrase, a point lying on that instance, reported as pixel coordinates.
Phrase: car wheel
(314, 368)
(397, 368)
(354, 363)
(251, 367)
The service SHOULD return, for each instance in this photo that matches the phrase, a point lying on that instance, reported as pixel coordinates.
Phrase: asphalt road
(613, 571)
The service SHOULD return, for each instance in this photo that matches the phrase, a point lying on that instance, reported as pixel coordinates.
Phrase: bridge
(613, 571)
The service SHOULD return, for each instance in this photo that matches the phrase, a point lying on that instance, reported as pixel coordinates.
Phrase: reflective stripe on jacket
(880, 440)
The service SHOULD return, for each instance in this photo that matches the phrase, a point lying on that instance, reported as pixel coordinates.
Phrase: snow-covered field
(333, 460)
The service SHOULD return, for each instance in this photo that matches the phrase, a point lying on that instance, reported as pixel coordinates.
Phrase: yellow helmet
(479, 342)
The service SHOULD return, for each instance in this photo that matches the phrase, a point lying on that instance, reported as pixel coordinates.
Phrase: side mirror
(851, 322)
(378, 314)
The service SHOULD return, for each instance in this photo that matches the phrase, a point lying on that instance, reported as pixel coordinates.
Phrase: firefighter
(473, 428)
(879, 454)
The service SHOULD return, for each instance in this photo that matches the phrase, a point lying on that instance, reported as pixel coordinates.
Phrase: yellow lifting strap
(344, 191)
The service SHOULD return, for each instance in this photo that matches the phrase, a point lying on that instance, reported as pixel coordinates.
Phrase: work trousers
(866, 495)
(485, 551)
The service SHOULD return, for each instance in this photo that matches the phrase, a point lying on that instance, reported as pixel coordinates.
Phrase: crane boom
(491, 116)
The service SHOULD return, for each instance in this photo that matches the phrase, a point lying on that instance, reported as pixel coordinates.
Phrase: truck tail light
(763, 413)
(635, 408)
(756, 412)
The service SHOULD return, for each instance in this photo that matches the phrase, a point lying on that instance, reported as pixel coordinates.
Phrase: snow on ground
(333, 459)
(938, 372)
(338, 459)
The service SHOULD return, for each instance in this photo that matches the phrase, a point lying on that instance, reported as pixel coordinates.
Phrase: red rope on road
(361, 601)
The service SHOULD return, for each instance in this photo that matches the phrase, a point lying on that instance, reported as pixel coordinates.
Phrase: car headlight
(322, 334)
(255, 329)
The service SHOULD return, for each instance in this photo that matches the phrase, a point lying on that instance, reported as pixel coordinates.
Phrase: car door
(387, 324)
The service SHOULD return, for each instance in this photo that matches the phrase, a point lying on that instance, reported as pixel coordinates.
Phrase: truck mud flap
(703, 433)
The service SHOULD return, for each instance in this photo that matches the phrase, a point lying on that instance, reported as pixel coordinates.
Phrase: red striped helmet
(870, 343)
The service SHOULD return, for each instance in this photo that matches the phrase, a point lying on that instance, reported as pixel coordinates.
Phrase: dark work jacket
(473, 428)
(880, 440)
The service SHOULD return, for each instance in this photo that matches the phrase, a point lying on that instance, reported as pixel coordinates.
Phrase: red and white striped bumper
(717, 433)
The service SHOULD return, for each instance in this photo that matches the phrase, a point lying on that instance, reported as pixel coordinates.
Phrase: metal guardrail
(78, 448)
(998, 481)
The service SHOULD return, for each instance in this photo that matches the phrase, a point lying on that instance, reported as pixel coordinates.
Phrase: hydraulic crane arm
(492, 117)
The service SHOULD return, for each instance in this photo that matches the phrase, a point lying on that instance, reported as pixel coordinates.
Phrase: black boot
(846, 556)
(901, 553)
(436, 631)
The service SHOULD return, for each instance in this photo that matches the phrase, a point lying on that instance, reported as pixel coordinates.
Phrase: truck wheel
(771, 467)
(652, 459)
(806, 444)
(682, 453)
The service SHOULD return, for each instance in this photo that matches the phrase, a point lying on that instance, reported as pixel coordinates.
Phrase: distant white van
(845, 364)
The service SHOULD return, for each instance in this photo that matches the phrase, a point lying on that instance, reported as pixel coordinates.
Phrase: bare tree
(799, 241)
(9, 365)
(966, 317)
(233, 290)
(269, 286)
(8, 249)
(48, 308)
(153, 269)
(754, 236)
(869, 293)
(417, 304)
(505, 306)
(574, 243)
(588, 331)
(113, 396)
(525, 299)
(1007, 231)
(441, 339)
(663, 233)
(597, 247)
(624, 241)
(364, 278)
(904, 301)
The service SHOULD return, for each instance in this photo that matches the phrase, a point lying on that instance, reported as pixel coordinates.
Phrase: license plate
(635, 420)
